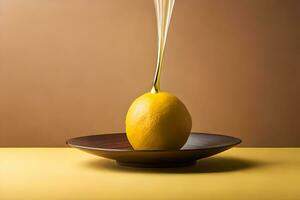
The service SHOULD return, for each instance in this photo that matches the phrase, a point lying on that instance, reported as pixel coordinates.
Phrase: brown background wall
(70, 68)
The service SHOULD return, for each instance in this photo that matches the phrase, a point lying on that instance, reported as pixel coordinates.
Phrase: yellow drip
(164, 10)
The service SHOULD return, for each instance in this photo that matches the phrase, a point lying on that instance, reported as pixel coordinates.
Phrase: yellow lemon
(158, 121)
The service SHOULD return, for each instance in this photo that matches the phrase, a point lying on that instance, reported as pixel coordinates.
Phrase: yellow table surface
(65, 173)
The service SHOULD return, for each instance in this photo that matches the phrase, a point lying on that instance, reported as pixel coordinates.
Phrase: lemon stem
(163, 10)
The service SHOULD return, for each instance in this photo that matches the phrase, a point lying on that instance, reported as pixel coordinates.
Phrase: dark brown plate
(115, 146)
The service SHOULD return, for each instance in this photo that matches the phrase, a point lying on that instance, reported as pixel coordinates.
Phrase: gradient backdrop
(72, 67)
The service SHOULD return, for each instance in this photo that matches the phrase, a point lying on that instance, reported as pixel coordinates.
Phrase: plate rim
(238, 141)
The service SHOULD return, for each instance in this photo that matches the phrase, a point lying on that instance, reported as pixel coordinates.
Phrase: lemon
(158, 121)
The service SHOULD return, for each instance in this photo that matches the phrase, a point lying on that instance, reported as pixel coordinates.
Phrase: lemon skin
(158, 121)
